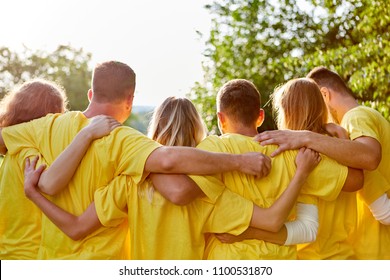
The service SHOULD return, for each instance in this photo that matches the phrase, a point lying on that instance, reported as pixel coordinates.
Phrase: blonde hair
(32, 100)
(299, 105)
(176, 122)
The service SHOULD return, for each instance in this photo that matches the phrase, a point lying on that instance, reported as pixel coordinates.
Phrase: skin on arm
(186, 160)
(255, 233)
(273, 218)
(361, 153)
(58, 175)
(177, 188)
(76, 227)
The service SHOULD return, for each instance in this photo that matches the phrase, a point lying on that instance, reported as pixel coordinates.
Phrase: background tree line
(272, 41)
(265, 41)
(66, 65)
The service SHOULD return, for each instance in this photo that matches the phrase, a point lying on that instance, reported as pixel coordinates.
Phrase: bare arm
(303, 230)
(178, 189)
(274, 217)
(354, 181)
(76, 227)
(58, 175)
(361, 153)
(255, 233)
(197, 162)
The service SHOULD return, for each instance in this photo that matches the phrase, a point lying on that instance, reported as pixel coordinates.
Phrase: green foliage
(66, 65)
(270, 42)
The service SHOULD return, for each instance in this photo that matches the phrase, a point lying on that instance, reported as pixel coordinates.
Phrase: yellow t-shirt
(372, 239)
(124, 151)
(337, 220)
(20, 222)
(160, 230)
(325, 181)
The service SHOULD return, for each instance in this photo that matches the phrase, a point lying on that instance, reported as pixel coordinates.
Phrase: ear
(129, 100)
(90, 95)
(325, 94)
(261, 118)
(221, 118)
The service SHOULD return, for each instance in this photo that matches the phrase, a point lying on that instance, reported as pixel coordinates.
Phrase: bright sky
(158, 39)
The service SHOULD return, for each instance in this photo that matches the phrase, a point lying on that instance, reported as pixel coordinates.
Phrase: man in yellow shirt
(369, 150)
(239, 115)
(125, 151)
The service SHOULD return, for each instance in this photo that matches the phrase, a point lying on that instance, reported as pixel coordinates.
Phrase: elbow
(47, 188)
(373, 162)
(276, 225)
(76, 235)
(167, 160)
(180, 197)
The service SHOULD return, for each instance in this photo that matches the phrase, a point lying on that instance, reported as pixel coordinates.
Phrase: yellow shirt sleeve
(24, 135)
(111, 201)
(212, 186)
(232, 213)
(375, 182)
(326, 180)
(128, 151)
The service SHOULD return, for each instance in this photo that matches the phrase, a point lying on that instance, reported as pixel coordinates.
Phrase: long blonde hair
(176, 122)
(32, 100)
(299, 105)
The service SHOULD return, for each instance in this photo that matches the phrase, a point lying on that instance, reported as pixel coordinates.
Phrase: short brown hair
(299, 105)
(112, 81)
(32, 100)
(240, 100)
(329, 79)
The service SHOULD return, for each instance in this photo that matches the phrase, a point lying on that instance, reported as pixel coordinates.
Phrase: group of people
(79, 185)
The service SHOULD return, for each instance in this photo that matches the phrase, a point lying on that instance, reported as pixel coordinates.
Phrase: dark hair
(240, 100)
(112, 81)
(327, 78)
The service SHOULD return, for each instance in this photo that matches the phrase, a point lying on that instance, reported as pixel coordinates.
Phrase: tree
(270, 42)
(66, 65)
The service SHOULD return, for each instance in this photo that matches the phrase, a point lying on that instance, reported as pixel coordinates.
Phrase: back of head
(32, 100)
(112, 82)
(176, 122)
(329, 79)
(299, 105)
(240, 100)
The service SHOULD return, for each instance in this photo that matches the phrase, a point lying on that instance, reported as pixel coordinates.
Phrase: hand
(336, 131)
(256, 164)
(285, 139)
(101, 126)
(31, 177)
(306, 160)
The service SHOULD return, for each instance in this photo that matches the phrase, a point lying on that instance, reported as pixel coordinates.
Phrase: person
(20, 230)
(181, 229)
(336, 218)
(368, 150)
(239, 115)
(124, 152)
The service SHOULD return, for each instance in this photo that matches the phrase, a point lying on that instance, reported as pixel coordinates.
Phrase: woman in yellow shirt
(20, 223)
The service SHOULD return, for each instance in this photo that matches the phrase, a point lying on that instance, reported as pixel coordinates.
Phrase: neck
(346, 104)
(246, 131)
(113, 110)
